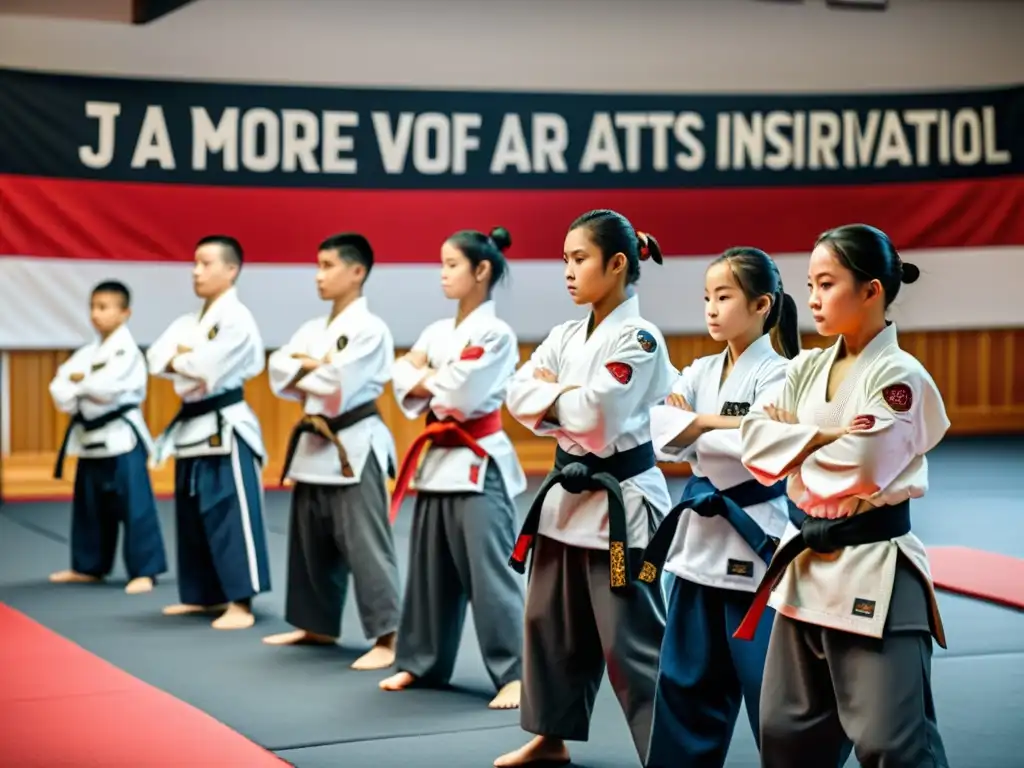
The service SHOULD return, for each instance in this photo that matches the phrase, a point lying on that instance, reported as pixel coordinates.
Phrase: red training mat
(984, 575)
(61, 705)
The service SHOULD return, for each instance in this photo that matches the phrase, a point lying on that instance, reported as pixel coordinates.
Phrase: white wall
(664, 46)
(589, 45)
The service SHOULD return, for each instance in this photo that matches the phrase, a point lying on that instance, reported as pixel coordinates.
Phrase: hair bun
(909, 272)
(501, 238)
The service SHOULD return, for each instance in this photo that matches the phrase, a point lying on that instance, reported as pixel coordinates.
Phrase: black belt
(706, 500)
(328, 428)
(825, 536)
(90, 425)
(579, 474)
(214, 404)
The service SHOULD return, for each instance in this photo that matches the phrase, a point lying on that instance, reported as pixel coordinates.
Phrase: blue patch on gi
(646, 341)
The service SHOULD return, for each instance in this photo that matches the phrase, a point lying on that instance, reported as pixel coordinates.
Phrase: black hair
(612, 233)
(478, 247)
(351, 247)
(231, 249)
(870, 255)
(116, 287)
(757, 275)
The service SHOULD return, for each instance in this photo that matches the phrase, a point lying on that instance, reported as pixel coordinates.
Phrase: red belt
(443, 434)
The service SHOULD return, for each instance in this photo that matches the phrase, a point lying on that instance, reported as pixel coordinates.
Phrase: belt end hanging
(396, 506)
(522, 550)
(748, 626)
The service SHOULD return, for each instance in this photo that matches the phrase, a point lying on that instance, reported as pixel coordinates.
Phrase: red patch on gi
(622, 372)
(474, 473)
(898, 397)
(472, 353)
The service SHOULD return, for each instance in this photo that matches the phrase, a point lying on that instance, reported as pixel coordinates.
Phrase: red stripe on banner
(161, 222)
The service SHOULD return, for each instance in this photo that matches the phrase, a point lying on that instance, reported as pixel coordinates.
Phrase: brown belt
(328, 428)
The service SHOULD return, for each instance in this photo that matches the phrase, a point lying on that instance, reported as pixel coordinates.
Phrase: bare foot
(397, 682)
(381, 656)
(72, 577)
(542, 749)
(508, 696)
(139, 585)
(182, 609)
(237, 616)
(299, 637)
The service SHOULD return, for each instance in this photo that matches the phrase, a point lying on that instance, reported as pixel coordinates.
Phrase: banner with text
(137, 170)
(511, 146)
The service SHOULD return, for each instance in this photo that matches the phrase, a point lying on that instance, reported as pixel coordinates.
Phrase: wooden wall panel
(980, 373)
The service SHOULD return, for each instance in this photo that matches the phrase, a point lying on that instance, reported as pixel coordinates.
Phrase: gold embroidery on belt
(648, 573)
(618, 564)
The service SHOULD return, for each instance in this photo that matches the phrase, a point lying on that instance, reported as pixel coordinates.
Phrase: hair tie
(645, 251)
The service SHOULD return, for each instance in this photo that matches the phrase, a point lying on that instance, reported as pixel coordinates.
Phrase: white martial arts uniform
(115, 377)
(474, 361)
(109, 435)
(339, 521)
(222, 547)
(358, 352)
(705, 673)
(463, 526)
(703, 547)
(606, 385)
(850, 652)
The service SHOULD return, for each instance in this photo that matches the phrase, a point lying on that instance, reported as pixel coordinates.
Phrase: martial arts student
(591, 385)
(338, 458)
(102, 386)
(717, 541)
(850, 653)
(217, 443)
(463, 526)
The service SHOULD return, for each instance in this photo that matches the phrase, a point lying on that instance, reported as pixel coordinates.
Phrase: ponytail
(613, 233)
(757, 275)
(649, 248)
(785, 334)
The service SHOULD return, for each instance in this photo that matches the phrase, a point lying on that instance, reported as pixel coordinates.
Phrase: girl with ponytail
(590, 386)
(719, 538)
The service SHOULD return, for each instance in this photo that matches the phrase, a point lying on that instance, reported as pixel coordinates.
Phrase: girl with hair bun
(718, 540)
(849, 659)
(590, 385)
(464, 521)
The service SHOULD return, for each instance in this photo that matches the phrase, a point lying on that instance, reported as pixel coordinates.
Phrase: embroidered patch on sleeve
(472, 353)
(622, 372)
(646, 340)
(898, 397)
